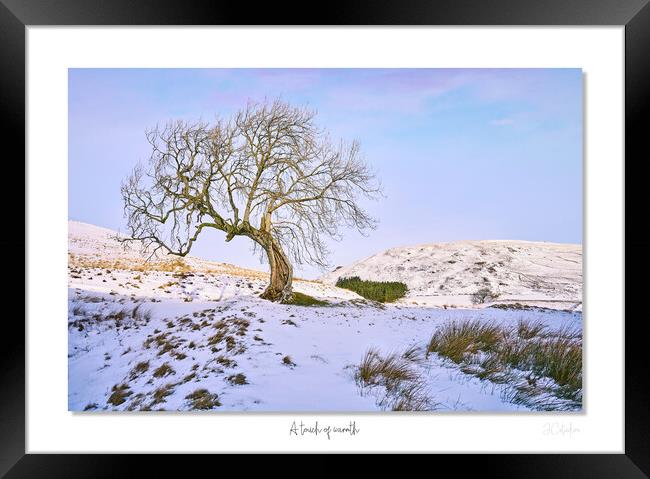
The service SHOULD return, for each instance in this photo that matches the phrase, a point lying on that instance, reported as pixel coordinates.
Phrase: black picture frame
(15, 15)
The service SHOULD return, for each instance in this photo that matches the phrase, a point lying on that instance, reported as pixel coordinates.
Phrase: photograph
(325, 240)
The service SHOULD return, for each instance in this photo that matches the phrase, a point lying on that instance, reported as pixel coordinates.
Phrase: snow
(191, 302)
(525, 272)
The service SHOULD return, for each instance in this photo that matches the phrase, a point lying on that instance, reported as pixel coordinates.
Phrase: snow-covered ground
(532, 273)
(192, 334)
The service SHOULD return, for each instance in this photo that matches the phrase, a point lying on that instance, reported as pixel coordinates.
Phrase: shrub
(382, 291)
(483, 295)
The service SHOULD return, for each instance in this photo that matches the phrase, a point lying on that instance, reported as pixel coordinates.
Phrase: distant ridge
(527, 272)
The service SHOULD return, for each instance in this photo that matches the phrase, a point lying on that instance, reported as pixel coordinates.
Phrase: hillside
(531, 273)
(191, 334)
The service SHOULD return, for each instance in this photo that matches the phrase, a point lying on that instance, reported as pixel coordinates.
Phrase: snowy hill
(191, 334)
(93, 246)
(532, 273)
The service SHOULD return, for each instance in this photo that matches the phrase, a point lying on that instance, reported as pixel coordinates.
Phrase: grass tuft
(119, 394)
(139, 369)
(161, 393)
(301, 299)
(552, 359)
(460, 338)
(287, 361)
(202, 399)
(162, 371)
(238, 379)
(529, 329)
(404, 389)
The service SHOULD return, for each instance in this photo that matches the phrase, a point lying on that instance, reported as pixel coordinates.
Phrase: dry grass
(502, 354)
(413, 354)
(387, 371)
(287, 361)
(163, 370)
(123, 317)
(458, 339)
(139, 369)
(202, 399)
(226, 362)
(176, 265)
(161, 393)
(237, 379)
(403, 387)
(412, 397)
(529, 329)
(119, 394)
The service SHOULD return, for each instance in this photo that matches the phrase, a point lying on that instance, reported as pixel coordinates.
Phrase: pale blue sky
(461, 153)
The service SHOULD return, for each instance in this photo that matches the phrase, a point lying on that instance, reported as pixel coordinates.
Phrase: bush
(382, 291)
(483, 295)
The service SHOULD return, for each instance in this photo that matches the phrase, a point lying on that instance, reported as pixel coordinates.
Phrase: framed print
(349, 237)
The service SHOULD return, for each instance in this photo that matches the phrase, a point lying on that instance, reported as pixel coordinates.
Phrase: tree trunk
(279, 288)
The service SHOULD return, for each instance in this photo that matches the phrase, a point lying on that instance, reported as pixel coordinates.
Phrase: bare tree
(269, 173)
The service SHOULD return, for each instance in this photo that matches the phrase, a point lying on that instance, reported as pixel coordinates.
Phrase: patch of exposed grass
(231, 343)
(161, 393)
(139, 369)
(216, 338)
(138, 313)
(202, 399)
(163, 370)
(382, 291)
(119, 394)
(238, 379)
(226, 362)
(301, 299)
(168, 285)
(287, 361)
